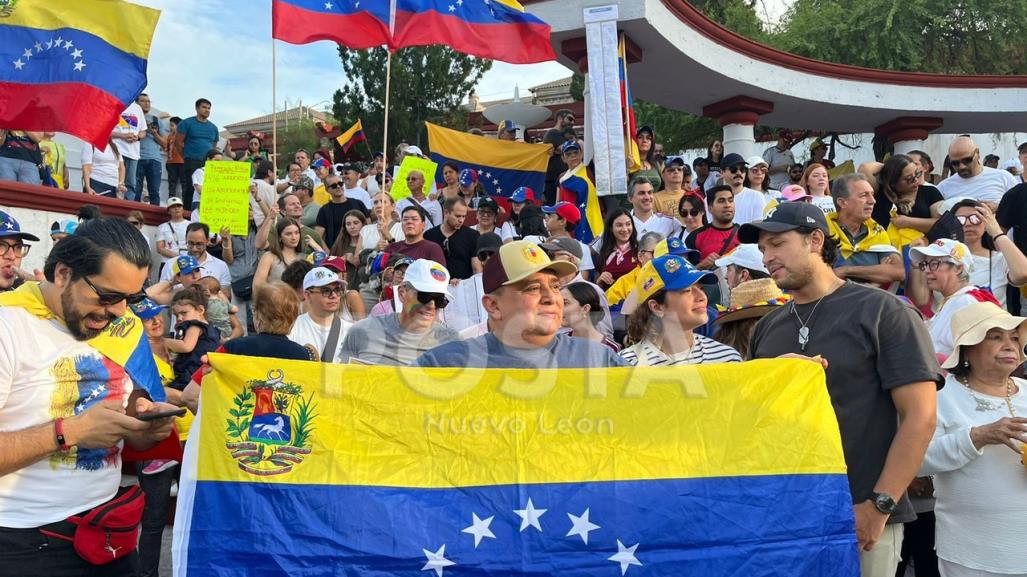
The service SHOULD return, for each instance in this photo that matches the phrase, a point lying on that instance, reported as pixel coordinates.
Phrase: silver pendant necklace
(803, 325)
(984, 405)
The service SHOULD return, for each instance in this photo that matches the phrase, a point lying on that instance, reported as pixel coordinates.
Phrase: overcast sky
(221, 50)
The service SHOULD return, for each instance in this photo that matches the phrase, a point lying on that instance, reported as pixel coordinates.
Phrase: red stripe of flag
(72, 107)
(295, 25)
(359, 136)
(516, 43)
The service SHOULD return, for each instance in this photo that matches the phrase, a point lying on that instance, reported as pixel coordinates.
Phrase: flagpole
(274, 101)
(388, 82)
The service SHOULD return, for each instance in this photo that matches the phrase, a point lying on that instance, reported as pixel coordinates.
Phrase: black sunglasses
(693, 212)
(108, 298)
(327, 291)
(335, 185)
(961, 161)
(736, 168)
(440, 300)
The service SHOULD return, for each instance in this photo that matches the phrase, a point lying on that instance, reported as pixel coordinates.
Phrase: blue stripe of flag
(497, 181)
(473, 11)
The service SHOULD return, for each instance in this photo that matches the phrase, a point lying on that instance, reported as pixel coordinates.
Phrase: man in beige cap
(525, 311)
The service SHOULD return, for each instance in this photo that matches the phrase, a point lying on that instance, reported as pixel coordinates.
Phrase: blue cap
(675, 246)
(507, 126)
(669, 272)
(570, 145)
(146, 309)
(522, 194)
(10, 228)
(66, 226)
(185, 264)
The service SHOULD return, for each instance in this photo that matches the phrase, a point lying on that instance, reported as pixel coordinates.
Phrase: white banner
(603, 106)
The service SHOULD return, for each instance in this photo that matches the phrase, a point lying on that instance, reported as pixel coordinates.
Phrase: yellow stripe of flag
(409, 427)
(480, 150)
(123, 25)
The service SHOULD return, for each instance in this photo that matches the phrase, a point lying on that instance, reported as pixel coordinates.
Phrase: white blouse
(981, 494)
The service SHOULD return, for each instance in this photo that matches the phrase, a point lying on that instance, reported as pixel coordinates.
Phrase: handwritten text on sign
(226, 196)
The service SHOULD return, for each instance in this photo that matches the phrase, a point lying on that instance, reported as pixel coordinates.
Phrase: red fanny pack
(109, 531)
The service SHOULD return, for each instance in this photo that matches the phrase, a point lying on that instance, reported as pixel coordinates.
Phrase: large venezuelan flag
(627, 109)
(502, 166)
(356, 24)
(577, 188)
(311, 469)
(496, 29)
(72, 65)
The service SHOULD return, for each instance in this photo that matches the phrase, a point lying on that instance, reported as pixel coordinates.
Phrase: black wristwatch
(884, 503)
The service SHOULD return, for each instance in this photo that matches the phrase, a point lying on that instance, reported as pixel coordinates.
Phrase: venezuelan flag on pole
(355, 24)
(496, 29)
(577, 188)
(628, 106)
(703, 470)
(72, 65)
(502, 166)
(352, 136)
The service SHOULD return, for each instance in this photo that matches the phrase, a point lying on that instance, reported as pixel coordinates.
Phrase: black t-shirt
(873, 344)
(267, 346)
(332, 217)
(1012, 214)
(19, 146)
(458, 249)
(187, 363)
(556, 165)
(926, 196)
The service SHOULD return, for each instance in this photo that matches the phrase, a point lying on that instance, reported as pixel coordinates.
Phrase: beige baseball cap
(518, 260)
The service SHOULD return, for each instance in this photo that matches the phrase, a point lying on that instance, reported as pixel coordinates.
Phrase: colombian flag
(355, 24)
(352, 136)
(311, 469)
(502, 166)
(72, 65)
(496, 29)
(628, 110)
(577, 188)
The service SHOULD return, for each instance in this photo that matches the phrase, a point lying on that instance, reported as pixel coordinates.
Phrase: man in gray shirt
(779, 159)
(525, 311)
(399, 338)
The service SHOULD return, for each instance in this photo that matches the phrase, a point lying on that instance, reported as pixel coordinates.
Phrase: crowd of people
(881, 276)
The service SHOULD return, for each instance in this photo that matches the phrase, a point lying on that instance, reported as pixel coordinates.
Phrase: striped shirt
(704, 350)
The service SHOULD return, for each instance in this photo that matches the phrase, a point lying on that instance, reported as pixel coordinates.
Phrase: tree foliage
(428, 84)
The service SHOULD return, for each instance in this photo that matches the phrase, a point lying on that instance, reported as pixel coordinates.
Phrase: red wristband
(58, 429)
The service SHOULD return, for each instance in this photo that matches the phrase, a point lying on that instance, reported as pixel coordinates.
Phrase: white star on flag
(530, 516)
(60, 41)
(499, 190)
(18, 64)
(49, 44)
(328, 5)
(437, 561)
(68, 44)
(27, 53)
(495, 182)
(39, 47)
(480, 529)
(459, 2)
(581, 526)
(76, 53)
(452, 8)
(625, 556)
(79, 66)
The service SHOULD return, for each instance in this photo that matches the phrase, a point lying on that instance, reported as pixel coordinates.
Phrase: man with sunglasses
(971, 179)
(331, 218)
(321, 324)
(555, 136)
(418, 198)
(749, 203)
(12, 250)
(399, 338)
(66, 405)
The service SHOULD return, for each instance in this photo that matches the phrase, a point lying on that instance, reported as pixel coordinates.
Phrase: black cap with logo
(784, 217)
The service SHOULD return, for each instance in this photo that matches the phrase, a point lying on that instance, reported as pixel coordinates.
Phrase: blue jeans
(131, 165)
(19, 170)
(150, 170)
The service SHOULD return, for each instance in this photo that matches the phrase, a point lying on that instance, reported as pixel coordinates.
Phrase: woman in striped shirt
(671, 305)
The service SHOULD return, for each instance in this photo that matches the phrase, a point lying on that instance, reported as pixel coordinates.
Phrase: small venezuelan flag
(577, 188)
(352, 136)
(496, 29)
(304, 468)
(72, 65)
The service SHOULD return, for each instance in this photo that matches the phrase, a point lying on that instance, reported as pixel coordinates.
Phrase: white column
(907, 146)
(604, 106)
(740, 139)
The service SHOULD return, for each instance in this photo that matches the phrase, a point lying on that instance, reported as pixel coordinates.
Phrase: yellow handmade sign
(427, 168)
(225, 198)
